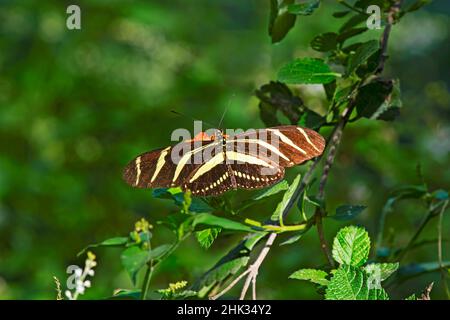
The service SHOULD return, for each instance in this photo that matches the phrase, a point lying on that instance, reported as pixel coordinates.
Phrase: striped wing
(285, 145)
(254, 159)
(252, 176)
(169, 167)
(232, 170)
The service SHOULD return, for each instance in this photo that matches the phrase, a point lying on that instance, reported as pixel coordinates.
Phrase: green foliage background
(76, 106)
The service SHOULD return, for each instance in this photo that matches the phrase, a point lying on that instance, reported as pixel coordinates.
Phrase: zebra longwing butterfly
(211, 165)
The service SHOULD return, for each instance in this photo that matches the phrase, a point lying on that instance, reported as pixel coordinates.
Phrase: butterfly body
(211, 165)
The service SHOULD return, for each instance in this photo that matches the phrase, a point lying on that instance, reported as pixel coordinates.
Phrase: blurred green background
(76, 106)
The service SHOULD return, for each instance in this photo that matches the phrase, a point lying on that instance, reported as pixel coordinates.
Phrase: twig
(426, 219)
(426, 292)
(441, 264)
(335, 138)
(386, 33)
(337, 133)
(254, 268)
(345, 4)
(251, 272)
(231, 285)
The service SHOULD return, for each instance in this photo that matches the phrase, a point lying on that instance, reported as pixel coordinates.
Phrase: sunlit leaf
(277, 215)
(351, 246)
(312, 275)
(206, 237)
(293, 239)
(272, 190)
(215, 221)
(347, 283)
(381, 270)
(306, 71)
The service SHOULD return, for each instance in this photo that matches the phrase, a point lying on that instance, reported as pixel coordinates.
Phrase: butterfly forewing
(286, 145)
(168, 167)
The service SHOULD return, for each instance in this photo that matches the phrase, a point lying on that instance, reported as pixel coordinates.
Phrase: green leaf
(197, 204)
(340, 14)
(349, 33)
(306, 71)
(206, 237)
(352, 22)
(311, 119)
(390, 108)
(133, 259)
(351, 246)
(215, 221)
(362, 54)
(325, 42)
(347, 283)
(312, 275)
(277, 188)
(276, 96)
(159, 252)
(350, 283)
(381, 270)
(409, 192)
(278, 214)
(304, 9)
(371, 97)
(112, 242)
(378, 294)
(280, 20)
(348, 212)
(293, 239)
(125, 294)
(411, 297)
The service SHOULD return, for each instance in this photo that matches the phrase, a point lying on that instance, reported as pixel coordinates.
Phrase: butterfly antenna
(190, 117)
(225, 111)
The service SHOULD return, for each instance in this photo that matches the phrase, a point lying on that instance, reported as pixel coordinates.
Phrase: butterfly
(209, 165)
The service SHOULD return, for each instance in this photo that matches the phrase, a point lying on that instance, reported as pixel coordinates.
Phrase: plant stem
(147, 279)
(345, 4)
(386, 33)
(430, 214)
(441, 265)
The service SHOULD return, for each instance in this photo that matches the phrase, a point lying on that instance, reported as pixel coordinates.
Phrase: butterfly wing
(232, 170)
(285, 145)
(168, 167)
